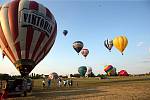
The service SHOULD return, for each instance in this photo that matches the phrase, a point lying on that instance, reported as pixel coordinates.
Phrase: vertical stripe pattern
(27, 30)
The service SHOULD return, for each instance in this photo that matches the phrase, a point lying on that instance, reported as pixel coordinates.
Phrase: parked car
(19, 86)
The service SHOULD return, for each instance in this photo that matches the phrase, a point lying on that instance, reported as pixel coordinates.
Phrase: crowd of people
(59, 83)
(66, 83)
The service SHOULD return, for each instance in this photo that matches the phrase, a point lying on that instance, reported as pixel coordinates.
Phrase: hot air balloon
(82, 70)
(53, 76)
(112, 72)
(78, 45)
(120, 43)
(123, 73)
(89, 71)
(108, 68)
(108, 44)
(0, 33)
(65, 32)
(85, 52)
(27, 33)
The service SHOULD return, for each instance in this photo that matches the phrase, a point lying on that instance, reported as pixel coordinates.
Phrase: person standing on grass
(70, 82)
(43, 82)
(49, 83)
(65, 83)
(59, 82)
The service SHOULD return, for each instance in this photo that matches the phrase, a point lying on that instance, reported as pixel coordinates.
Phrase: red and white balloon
(27, 33)
(85, 52)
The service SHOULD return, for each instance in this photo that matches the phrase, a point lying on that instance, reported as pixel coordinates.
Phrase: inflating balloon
(123, 73)
(108, 44)
(82, 70)
(89, 71)
(65, 32)
(108, 68)
(85, 52)
(78, 45)
(120, 43)
(27, 33)
(112, 72)
(53, 76)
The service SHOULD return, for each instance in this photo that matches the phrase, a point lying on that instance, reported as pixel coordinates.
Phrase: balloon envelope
(89, 71)
(78, 45)
(108, 44)
(82, 70)
(53, 76)
(123, 73)
(112, 72)
(65, 32)
(108, 68)
(27, 33)
(85, 52)
(120, 43)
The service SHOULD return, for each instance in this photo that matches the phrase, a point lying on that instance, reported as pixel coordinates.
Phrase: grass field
(113, 88)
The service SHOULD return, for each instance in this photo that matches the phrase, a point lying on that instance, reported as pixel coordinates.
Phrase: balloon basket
(25, 66)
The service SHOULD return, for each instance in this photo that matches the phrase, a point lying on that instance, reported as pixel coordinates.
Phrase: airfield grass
(112, 88)
(90, 82)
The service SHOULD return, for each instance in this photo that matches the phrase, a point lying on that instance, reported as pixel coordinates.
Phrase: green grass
(134, 88)
(92, 82)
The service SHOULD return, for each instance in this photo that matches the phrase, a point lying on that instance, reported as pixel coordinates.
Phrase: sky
(92, 22)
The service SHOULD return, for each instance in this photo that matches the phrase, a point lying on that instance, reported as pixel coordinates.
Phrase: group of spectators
(65, 83)
(60, 83)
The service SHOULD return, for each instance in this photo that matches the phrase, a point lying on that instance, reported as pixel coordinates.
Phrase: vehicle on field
(20, 86)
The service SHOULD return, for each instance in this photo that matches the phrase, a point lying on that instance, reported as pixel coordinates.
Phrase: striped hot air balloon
(108, 68)
(108, 44)
(112, 72)
(27, 33)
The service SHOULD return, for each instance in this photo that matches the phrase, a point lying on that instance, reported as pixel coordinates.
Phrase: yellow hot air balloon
(120, 42)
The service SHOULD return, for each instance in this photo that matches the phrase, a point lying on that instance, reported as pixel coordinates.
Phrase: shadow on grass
(73, 93)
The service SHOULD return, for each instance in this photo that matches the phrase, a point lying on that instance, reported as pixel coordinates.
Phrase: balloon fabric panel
(108, 68)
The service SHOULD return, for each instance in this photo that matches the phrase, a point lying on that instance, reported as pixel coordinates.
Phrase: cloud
(139, 44)
(146, 60)
(148, 49)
